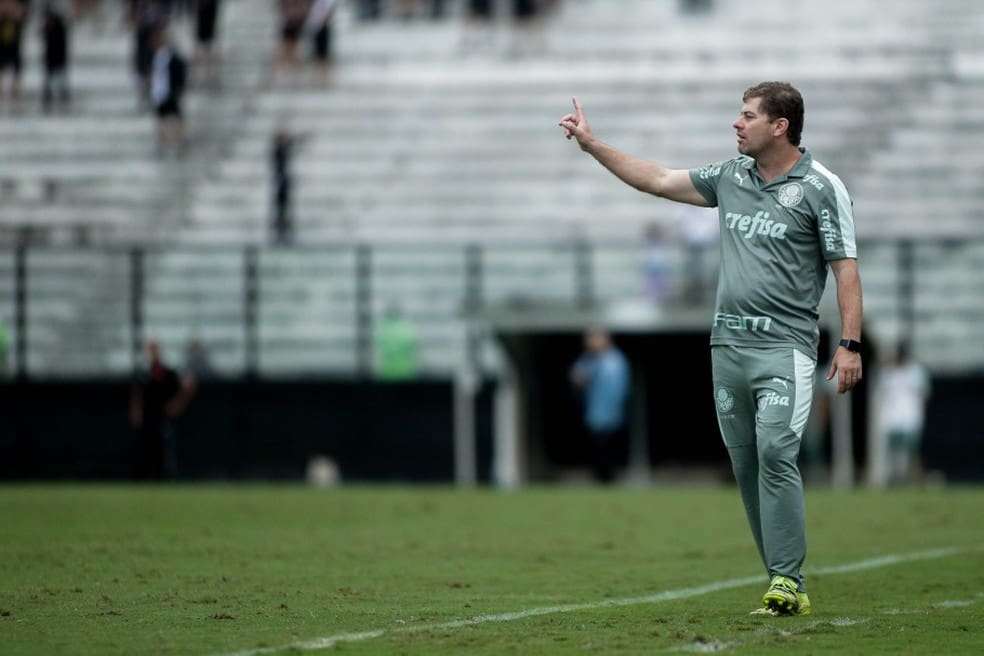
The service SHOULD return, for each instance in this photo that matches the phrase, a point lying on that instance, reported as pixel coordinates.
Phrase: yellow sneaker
(782, 596)
(802, 604)
(802, 607)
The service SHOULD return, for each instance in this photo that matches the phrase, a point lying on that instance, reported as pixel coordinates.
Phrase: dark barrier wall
(675, 381)
(681, 422)
(373, 431)
(954, 439)
(402, 431)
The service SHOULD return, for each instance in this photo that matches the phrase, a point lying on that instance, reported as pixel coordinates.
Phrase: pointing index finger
(577, 107)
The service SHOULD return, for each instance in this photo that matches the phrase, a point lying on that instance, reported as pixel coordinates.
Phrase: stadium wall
(237, 430)
(401, 432)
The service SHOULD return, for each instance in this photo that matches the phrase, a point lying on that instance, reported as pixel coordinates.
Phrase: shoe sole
(771, 612)
(780, 604)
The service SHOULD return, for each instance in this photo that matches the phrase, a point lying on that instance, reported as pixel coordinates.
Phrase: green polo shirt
(776, 240)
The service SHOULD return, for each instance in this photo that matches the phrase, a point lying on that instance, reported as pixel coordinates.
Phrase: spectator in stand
(158, 396)
(54, 33)
(318, 27)
(438, 9)
(409, 9)
(86, 9)
(481, 9)
(169, 76)
(699, 228)
(180, 8)
(478, 31)
(696, 7)
(206, 62)
(656, 265)
(369, 10)
(293, 17)
(13, 18)
(282, 183)
(145, 17)
(523, 15)
(406, 9)
(528, 17)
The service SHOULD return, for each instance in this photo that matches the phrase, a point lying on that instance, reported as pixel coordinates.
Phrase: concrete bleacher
(420, 140)
(421, 146)
(89, 175)
(99, 152)
(924, 182)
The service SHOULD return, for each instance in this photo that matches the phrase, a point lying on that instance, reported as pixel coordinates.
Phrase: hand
(575, 125)
(846, 365)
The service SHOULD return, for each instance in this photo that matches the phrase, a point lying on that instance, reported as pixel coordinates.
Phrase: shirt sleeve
(835, 222)
(706, 179)
(615, 371)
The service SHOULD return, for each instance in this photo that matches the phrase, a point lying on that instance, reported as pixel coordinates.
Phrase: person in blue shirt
(603, 376)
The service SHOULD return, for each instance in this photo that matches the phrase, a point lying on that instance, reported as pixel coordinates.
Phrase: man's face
(154, 351)
(596, 341)
(754, 128)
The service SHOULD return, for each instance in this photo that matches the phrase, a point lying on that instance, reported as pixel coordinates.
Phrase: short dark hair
(780, 100)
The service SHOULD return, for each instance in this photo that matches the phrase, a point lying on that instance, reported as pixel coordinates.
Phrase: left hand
(846, 365)
(576, 126)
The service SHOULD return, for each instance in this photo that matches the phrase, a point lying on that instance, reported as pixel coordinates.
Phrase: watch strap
(851, 345)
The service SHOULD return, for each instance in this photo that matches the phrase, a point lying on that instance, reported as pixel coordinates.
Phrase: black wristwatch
(851, 345)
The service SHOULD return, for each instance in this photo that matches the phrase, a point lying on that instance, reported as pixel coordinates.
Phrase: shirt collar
(802, 165)
(799, 170)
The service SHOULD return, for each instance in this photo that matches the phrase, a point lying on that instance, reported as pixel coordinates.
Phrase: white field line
(946, 603)
(668, 595)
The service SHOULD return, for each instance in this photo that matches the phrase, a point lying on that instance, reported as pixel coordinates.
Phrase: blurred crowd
(161, 31)
(303, 34)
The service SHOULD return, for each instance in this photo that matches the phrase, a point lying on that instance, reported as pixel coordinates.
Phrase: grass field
(260, 569)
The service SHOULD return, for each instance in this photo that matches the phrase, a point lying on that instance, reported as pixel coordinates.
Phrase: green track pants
(763, 398)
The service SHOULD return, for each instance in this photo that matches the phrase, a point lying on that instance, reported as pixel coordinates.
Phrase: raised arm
(650, 177)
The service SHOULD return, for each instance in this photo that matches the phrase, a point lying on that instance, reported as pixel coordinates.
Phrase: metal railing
(268, 311)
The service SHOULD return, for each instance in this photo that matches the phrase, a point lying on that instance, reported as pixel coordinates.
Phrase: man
(54, 32)
(396, 344)
(783, 219)
(602, 374)
(13, 17)
(159, 394)
(167, 87)
(144, 17)
(206, 57)
(904, 388)
(319, 27)
(281, 157)
(698, 230)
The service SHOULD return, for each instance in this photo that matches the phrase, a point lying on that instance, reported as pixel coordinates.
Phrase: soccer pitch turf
(269, 569)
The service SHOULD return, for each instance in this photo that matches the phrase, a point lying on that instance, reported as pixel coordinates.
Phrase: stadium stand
(428, 162)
